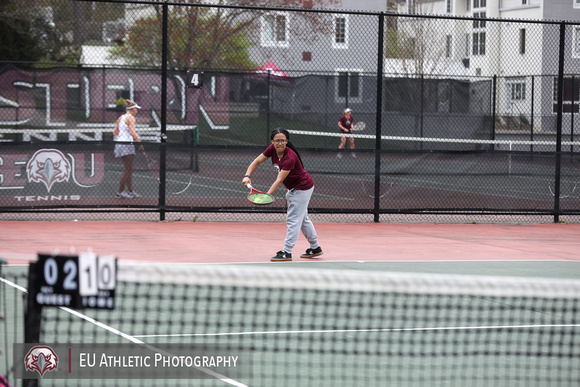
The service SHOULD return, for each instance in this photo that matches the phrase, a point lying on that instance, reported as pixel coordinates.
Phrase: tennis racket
(561, 196)
(384, 188)
(359, 126)
(152, 165)
(259, 197)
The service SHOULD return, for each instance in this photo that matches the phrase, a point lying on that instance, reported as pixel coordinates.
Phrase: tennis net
(306, 327)
(365, 140)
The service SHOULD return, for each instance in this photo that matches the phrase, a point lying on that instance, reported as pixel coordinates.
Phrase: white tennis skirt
(124, 150)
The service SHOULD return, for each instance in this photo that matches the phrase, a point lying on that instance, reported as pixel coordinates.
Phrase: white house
(523, 56)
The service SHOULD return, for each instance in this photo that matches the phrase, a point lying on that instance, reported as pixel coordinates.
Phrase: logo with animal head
(48, 166)
(41, 359)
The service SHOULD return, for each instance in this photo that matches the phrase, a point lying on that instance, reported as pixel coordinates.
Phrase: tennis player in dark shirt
(290, 172)
(345, 124)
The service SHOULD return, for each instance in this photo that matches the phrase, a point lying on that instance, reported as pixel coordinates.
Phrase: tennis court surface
(386, 305)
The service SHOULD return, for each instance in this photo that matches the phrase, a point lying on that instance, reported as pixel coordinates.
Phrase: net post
(192, 138)
(195, 143)
(510, 160)
(32, 317)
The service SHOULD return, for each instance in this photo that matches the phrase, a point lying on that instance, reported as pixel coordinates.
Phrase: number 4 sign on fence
(194, 79)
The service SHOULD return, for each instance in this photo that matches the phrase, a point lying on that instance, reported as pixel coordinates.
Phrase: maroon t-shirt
(298, 178)
(346, 123)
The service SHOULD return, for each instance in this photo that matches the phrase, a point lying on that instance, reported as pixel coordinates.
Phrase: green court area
(338, 323)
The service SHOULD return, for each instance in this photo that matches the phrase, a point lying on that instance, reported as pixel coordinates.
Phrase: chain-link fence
(466, 119)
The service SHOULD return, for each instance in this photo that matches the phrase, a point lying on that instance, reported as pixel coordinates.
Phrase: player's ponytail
(288, 144)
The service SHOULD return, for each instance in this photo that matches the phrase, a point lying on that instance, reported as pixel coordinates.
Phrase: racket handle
(249, 186)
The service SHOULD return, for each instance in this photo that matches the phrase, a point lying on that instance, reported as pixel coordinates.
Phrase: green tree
(19, 41)
(197, 38)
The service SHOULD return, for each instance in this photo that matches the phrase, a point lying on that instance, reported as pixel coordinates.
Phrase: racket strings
(260, 198)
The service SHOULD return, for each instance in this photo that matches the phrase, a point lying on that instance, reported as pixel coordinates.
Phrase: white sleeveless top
(124, 134)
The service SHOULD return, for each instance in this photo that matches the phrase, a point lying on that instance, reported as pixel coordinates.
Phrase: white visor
(347, 110)
(133, 107)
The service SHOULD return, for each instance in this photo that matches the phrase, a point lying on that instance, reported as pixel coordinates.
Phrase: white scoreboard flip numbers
(194, 79)
(83, 281)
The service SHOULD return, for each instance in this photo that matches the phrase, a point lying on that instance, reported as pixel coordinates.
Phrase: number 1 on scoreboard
(88, 274)
(96, 273)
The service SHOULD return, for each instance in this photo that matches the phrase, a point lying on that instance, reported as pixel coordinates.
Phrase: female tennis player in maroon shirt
(300, 187)
(345, 123)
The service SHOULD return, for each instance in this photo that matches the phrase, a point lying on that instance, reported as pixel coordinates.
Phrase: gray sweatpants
(297, 219)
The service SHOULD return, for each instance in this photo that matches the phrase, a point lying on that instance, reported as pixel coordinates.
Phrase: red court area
(236, 242)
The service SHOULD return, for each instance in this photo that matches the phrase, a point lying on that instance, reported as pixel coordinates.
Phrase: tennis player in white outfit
(125, 132)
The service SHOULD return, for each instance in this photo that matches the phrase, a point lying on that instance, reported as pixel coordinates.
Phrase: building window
(449, 6)
(340, 39)
(479, 4)
(570, 96)
(448, 46)
(275, 30)
(479, 29)
(516, 89)
(522, 41)
(576, 3)
(348, 86)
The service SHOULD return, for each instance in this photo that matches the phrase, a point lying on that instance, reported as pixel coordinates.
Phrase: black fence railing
(456, 127)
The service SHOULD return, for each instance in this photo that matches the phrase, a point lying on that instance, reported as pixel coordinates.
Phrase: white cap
(133, 107)
(347, 110)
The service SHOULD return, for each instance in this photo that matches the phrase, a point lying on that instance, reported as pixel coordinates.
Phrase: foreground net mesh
(308, 327)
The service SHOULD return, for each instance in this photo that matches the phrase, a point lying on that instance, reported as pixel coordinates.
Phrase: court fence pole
(422, 109)
(559, 124)
(378, 129)
(32, 318)
(572, 115)
(163, 151)
(532, 117)
(493, 110)
(268, 109)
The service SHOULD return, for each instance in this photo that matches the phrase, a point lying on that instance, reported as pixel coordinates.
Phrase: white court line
(217, 188)
(131, 338)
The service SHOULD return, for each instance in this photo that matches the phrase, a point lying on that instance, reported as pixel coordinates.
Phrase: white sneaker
(339, 155)
(354, 155)
(133, 194)
(123, 195)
